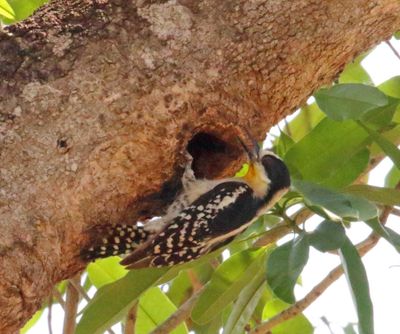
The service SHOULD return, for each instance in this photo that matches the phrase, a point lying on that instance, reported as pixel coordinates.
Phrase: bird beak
(254, 153)
(256, 148)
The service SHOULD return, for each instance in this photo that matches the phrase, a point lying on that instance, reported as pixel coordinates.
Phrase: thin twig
(396, 212)
(363, 248)
(196, 284)
(366, 245)
(273, 235)
(81, 291)
(131, 320)
(393, 49)
(375, 161)
(302, 304)
(180, 315)
(280, 230)
(49, 314)
(59, 297)
(71, 306)
(214, 263)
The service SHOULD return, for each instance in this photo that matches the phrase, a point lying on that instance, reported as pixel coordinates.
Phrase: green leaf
(284, 266)
(62, 286)
(32, 321)
(380, 195)
(226, 283)
(396, 116)
(314, 160)
(349, 101)
(87, 284)
(357, 279)
(149, 317)
(382, 117)
(180, 288)
(105, 271)
(393, 177)
(387, 147)
(266, 296)
(391, 236)
(349, 329)
(283, 144)
(308, 117)
(392, 135)
(355, 73)
(344, 205)
(245, 305)
(6, 10)
(213, 327)
(299, 324)
(391, 87)
(328, 235)
(113, 301)
(397, 35)
(349, 172)
(22, 9)
(395, 237)
(203, 272)
(247, 238)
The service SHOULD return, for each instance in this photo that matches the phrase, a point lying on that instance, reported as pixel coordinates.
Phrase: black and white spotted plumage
(207, 215)
(215, 216)
(116, 240)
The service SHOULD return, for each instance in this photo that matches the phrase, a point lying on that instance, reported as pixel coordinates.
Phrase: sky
(382, 263)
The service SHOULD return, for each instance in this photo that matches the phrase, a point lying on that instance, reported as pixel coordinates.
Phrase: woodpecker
(206, 216)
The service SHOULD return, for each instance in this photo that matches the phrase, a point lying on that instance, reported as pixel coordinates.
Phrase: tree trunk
(99, 99)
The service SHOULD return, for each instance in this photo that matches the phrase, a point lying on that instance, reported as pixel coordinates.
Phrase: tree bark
(99, 99)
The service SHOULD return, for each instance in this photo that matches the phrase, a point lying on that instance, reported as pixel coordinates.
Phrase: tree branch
(283, 228)
(71, 306)
(77, 285)
(396, 212)
(180, 315)
(49, 315)
(59, 297)
(131, 320)
(196, 284)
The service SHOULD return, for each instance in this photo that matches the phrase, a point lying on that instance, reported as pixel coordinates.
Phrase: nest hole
(213, 156)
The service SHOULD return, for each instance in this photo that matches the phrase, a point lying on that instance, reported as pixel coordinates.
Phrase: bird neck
(257, 179)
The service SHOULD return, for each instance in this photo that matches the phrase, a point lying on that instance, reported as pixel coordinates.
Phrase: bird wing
(213, 217)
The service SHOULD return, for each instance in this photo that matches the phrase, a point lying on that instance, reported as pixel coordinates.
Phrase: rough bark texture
(98, 100)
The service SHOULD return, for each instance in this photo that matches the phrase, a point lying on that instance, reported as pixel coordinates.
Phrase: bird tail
(115, 240)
